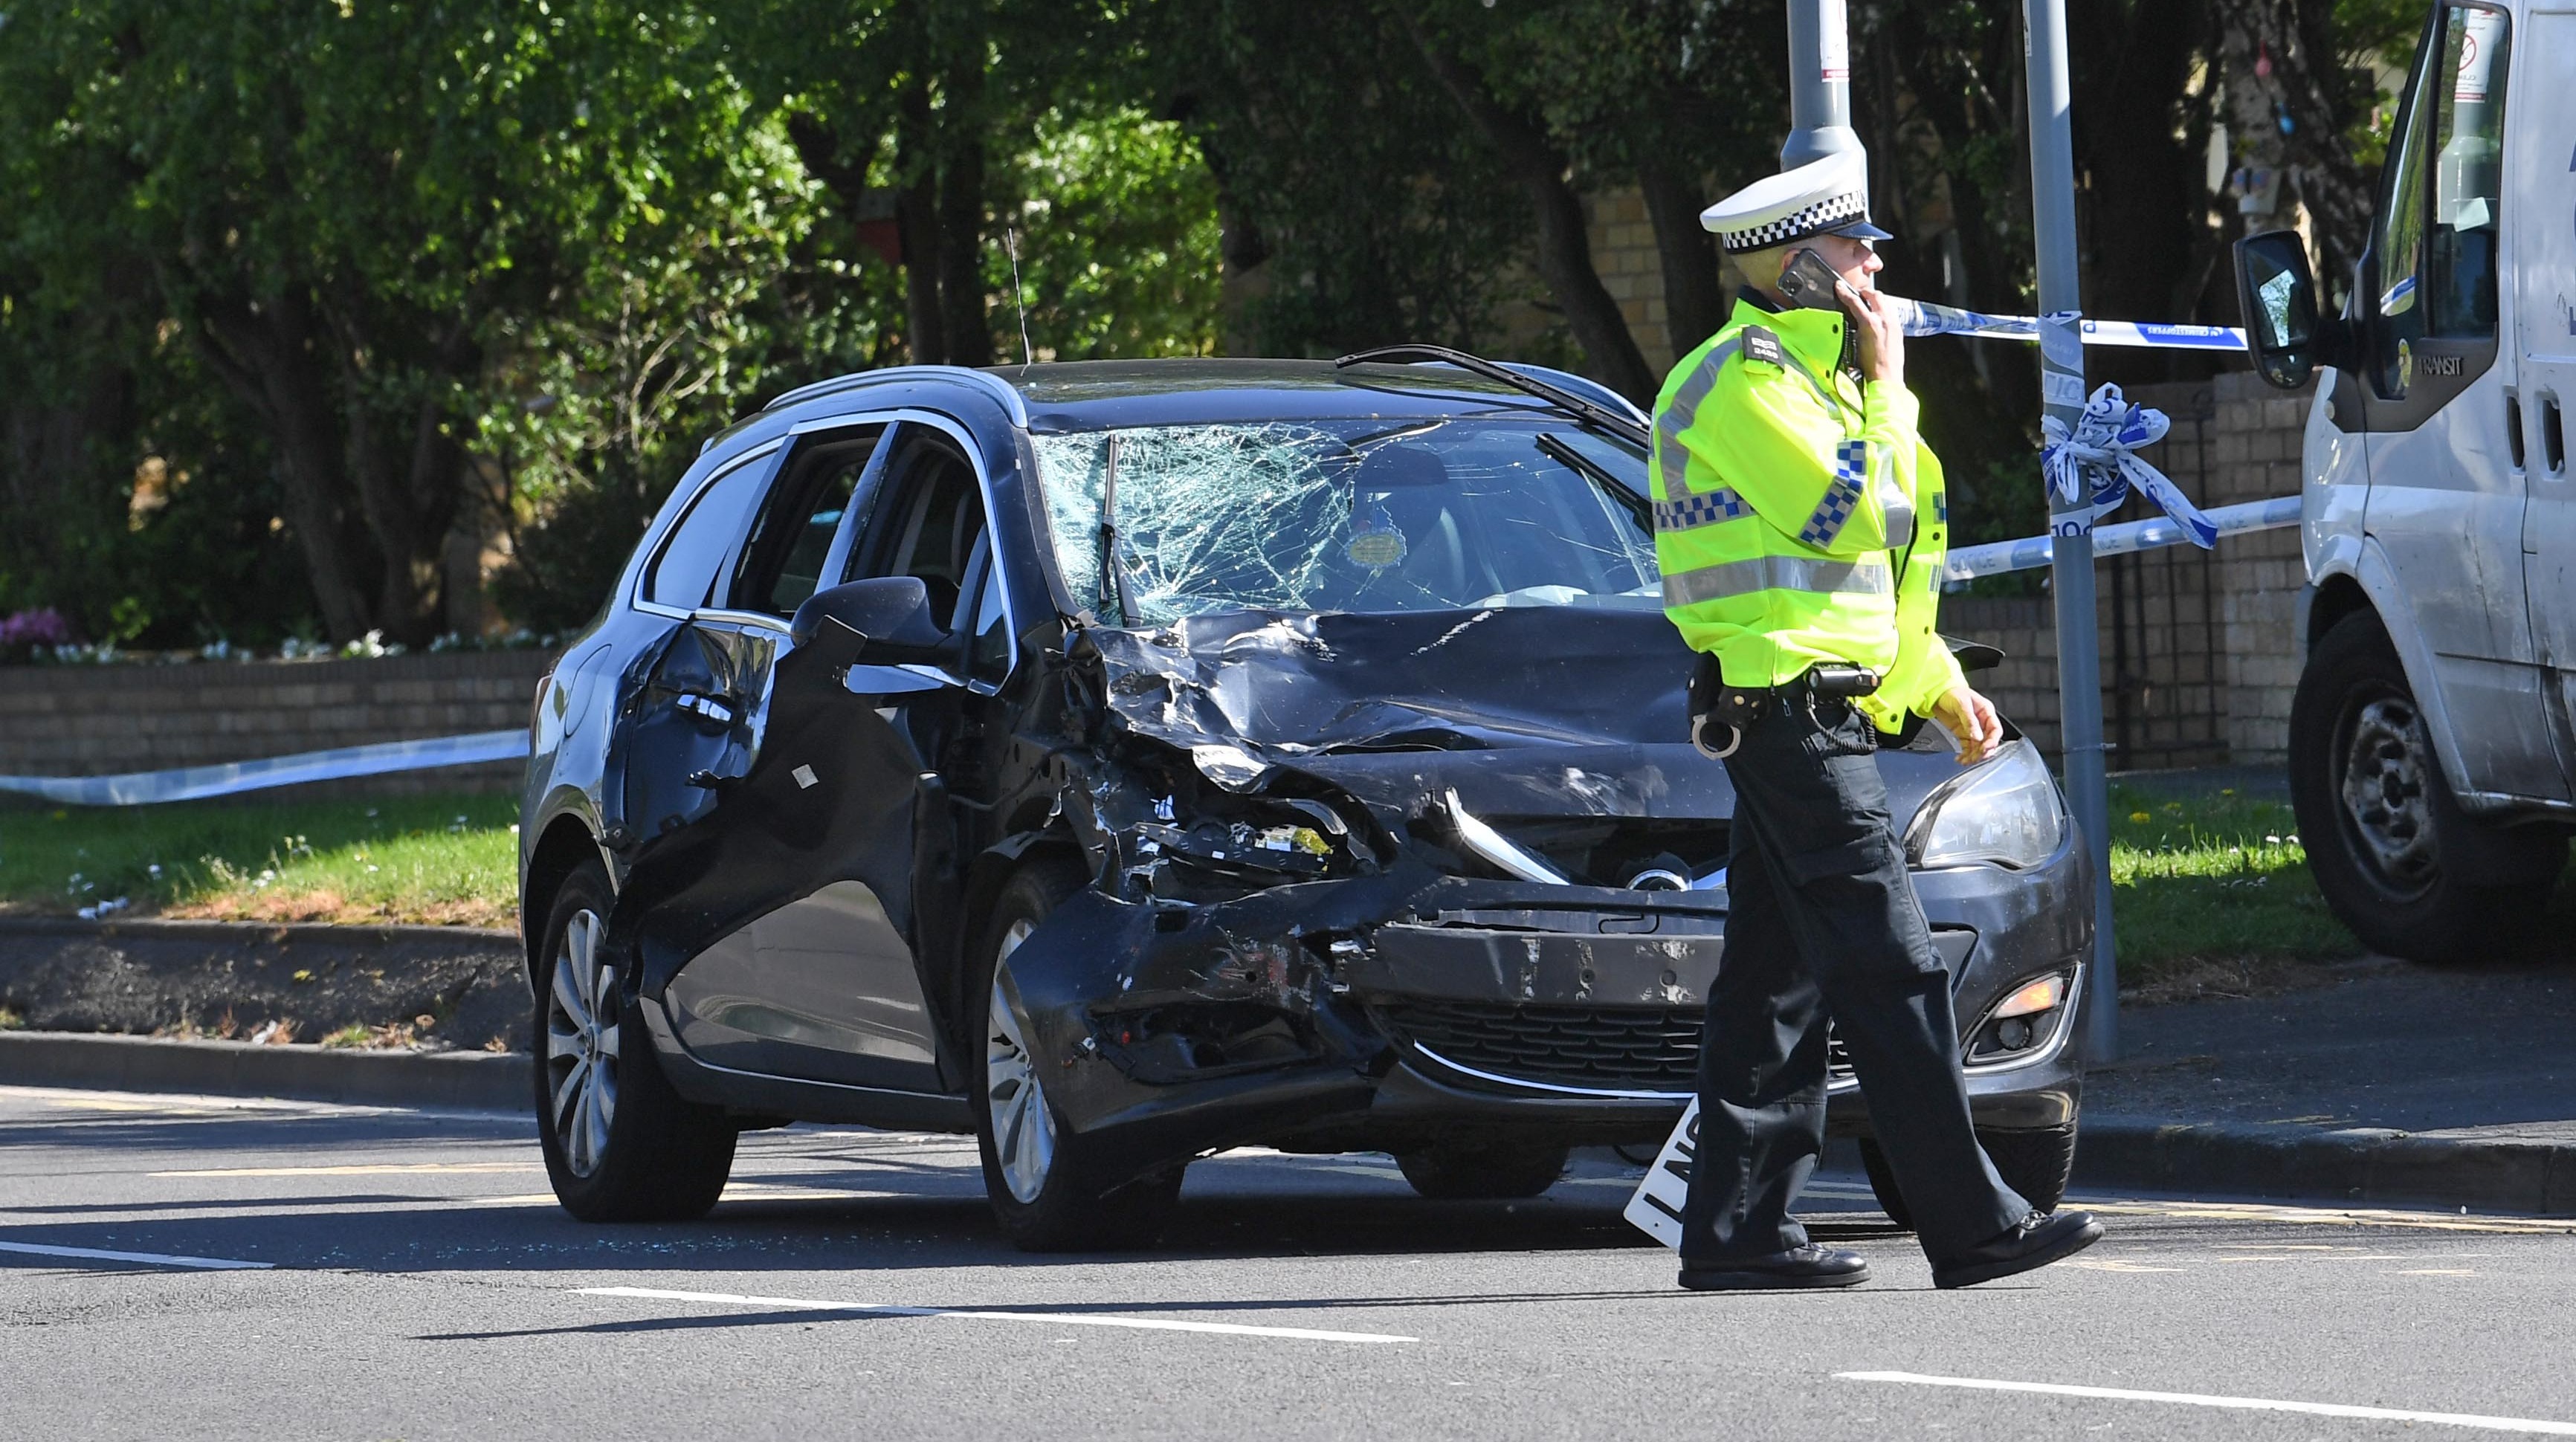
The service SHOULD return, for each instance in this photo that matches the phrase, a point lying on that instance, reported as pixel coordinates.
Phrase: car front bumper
(1382, 1013)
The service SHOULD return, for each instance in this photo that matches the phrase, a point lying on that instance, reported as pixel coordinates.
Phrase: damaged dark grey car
(1125, 762)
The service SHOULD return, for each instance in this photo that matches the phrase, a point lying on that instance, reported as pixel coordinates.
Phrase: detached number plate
(1656, 1209)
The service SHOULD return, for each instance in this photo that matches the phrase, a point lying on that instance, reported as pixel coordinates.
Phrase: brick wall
(90, 721)
(1632, 270)
(2260, 434)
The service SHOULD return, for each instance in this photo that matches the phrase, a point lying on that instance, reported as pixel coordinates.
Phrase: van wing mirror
(889, 615)
(2278, 297)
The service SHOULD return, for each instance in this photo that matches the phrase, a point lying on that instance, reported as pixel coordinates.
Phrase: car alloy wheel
(2385, 765)
(581, 1044)
(1023, 1124)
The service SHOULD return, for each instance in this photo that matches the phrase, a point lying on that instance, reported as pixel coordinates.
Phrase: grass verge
(440, 860)
(2211, 896)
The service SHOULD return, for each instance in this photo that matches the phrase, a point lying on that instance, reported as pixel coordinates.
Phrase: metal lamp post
(2061, 387)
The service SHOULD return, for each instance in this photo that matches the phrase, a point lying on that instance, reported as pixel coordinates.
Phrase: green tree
(352, 212)
(1114, 220)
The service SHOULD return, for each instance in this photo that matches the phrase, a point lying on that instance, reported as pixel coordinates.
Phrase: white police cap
(1822, 197)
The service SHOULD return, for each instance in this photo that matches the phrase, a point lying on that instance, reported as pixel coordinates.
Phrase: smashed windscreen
(1348, 515)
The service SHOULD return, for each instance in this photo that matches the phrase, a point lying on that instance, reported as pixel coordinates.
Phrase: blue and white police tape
(2098, 461)
(1922, 317)
(2029, 554)
(195, 783)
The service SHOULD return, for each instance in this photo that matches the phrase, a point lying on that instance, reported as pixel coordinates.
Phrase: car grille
(1625, 1048)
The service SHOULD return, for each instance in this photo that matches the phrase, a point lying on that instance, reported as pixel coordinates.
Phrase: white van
(2432, 752)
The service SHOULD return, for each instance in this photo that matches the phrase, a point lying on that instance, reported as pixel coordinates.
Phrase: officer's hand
(1972, 719)
(1882, 335)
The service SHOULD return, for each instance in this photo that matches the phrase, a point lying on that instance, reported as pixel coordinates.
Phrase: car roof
(1096, 395)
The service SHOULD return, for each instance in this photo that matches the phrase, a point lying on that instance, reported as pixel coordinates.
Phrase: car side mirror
(1974, 655)
(889, 615)
(2278, 299)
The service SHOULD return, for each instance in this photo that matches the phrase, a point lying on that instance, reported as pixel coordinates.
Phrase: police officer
(1800, 523)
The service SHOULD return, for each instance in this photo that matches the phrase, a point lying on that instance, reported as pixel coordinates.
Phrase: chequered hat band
(1816, 219)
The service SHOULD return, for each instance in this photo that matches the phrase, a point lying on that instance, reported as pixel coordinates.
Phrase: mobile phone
(1808, 283)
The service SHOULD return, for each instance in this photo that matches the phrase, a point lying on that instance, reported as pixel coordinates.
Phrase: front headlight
(2005, 812)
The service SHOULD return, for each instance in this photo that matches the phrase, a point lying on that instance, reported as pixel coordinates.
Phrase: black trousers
(1822, 923)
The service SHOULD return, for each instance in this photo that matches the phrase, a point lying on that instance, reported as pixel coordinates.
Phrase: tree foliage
(336, 316)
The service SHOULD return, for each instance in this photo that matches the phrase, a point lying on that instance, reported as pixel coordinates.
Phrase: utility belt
(1721, 714)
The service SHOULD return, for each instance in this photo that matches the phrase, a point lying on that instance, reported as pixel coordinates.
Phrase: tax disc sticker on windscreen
(1375, 542)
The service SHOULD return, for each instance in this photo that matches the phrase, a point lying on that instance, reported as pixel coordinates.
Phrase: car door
(678, 706)
(764, 964)
(2542, 167)
(779, 926)
(2446, 500)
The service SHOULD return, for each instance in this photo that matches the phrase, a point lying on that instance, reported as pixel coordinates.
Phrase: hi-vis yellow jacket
(1799, 518)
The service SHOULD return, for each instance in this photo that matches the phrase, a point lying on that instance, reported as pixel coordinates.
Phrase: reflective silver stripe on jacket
(1867, 576)
(1671, 459)
(1892, 500)
(1899, 519)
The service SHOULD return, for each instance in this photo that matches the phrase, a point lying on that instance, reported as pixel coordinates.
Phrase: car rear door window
(684, 571)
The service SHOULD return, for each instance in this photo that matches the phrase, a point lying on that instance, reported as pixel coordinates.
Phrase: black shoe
(2034, 1241)
(1809, 1266)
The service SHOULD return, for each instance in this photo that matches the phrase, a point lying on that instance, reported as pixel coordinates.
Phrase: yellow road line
(2336, 1217)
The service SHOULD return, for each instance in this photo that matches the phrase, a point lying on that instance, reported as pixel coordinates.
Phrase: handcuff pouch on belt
(1716, 706)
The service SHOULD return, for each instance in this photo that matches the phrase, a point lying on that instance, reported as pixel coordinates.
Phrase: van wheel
(2037, 1164)
(2388, 844)
(620, 1144)
(1459, 1172)
(1052, 1189)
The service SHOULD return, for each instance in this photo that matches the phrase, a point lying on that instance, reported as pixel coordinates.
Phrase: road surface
(205, 1267)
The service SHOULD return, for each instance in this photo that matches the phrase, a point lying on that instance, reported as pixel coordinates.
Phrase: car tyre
(2390, 847)
(2037, 1164)
(620, 1144)
(1052, 1189)
(1460, 1172)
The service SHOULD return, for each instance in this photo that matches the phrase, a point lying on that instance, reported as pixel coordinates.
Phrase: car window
(930, 521)
(791, 542)
(1359, 515)
(684, 571)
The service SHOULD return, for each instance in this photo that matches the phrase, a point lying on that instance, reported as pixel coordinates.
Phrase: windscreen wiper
(1113, 572)
(1556, 449)
(1590, 412)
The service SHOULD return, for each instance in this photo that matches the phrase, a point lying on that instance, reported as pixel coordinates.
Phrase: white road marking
(358, 1169)
(183, 1101)
(156, 1259)
(2241, 1404)
(1145, 1324)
